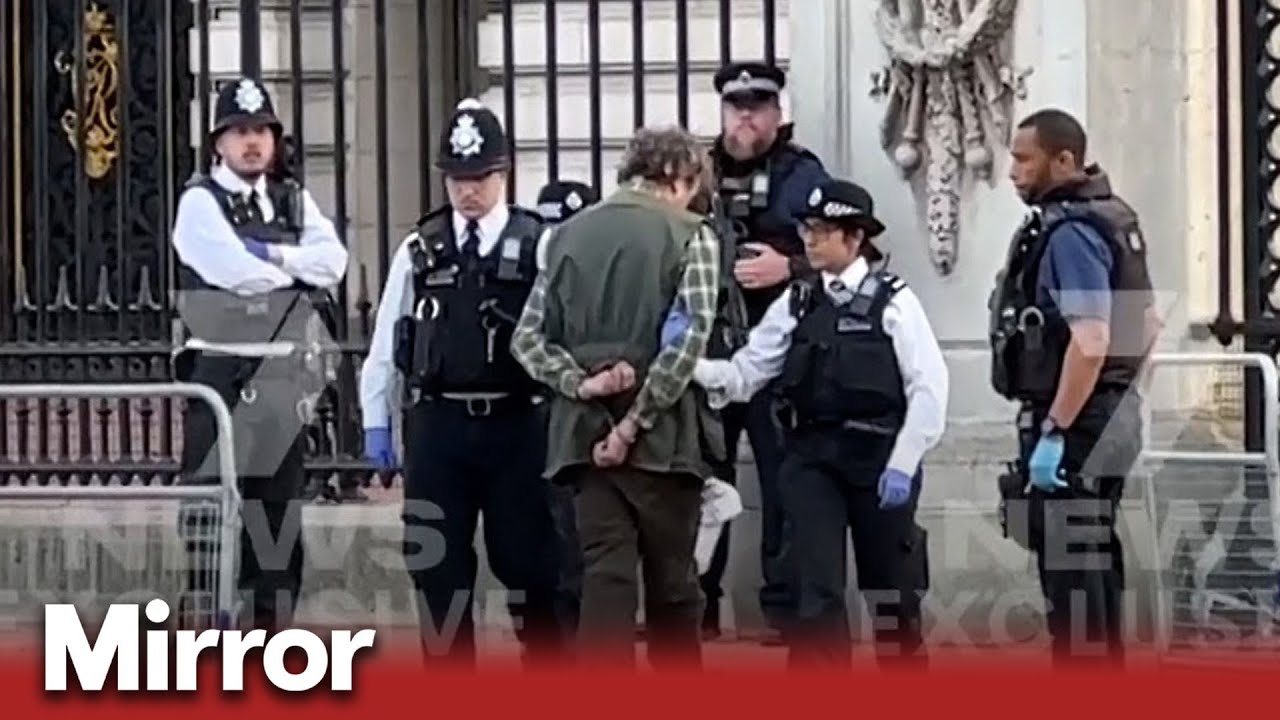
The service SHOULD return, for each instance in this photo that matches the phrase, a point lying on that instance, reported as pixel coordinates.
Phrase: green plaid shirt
(672, 369)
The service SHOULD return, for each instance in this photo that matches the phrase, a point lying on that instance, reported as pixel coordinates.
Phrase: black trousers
(1073, 530)
(829, 485)
(461, 464)
(269, 449)
(777, 597)
(626, 517)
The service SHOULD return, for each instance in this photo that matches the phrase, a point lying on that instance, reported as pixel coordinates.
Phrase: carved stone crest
(950, 89)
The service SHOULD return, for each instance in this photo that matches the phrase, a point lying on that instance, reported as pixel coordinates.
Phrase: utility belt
(1014, 483)
(1014, 509)
(479, 405)
(240, 368)
(806, 423)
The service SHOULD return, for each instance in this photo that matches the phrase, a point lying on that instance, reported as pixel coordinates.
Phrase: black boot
(711, 621)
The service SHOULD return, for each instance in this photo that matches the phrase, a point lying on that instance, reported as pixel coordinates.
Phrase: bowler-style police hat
(560, 200)
(473, 142)
(845, 204)
(244, 103)
(749, 82)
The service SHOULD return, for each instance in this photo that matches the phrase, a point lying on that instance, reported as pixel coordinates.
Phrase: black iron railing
(86, 266)
(94, 95)
(1260, 192)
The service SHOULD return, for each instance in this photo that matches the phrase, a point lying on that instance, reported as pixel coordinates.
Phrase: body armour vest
(1029, 337)
(464, 315)
(841, 368)
(748, 194)
(216, 315)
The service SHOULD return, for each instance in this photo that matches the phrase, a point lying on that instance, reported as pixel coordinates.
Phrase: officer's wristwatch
(1049, 427)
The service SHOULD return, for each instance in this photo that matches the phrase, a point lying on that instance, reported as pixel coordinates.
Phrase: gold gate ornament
(101, 109)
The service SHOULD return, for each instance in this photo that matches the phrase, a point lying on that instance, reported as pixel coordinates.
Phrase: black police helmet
(845, 204)
(749, 82)
(473, 142)
(244, 103)
(560, 200)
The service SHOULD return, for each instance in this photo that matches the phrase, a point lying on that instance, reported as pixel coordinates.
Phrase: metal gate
(1215, 542)
(104, 113)
(204, 521)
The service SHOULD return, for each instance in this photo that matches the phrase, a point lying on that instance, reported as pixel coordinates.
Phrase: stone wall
(1147, 100)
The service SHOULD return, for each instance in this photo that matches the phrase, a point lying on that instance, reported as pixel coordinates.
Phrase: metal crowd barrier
(1267, 461)
(225, 496)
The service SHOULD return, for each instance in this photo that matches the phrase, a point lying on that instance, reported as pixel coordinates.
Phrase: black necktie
(252, 208)
(471, 244)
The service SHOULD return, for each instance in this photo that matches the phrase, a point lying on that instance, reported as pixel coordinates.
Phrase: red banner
(739, 681)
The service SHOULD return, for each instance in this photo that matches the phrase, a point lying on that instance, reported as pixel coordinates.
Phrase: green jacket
(613, 272)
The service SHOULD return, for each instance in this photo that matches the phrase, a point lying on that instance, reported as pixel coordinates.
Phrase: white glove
(720, 504)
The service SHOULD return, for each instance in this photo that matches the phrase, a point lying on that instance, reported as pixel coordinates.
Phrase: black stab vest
(841, 368)
(1029, 337)
(463, 317)
(216, 315)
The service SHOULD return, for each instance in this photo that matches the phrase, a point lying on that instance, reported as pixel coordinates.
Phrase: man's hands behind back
(617, 378)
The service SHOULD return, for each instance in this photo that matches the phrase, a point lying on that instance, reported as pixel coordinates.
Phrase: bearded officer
(1073, 319)
(256, 260)
(475, 440)
(557, 202)
(763, 178)
(866, 386)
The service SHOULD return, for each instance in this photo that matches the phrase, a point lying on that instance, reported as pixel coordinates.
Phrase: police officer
(866, 386)
(256, 260)
(1072, 320)
(557, 202)
(475, 442)
(763, 178)
(562, 199)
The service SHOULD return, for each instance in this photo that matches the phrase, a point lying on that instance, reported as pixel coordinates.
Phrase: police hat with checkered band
(749, 82)
(558, 201)
(473, 142)
(843, 203)
(244, 103)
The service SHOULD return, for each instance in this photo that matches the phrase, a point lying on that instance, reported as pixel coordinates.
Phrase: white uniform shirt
(206, 242)
(379, 369)
(924, 371)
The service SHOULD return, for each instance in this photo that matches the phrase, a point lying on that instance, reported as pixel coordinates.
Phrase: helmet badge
(249, 97)
(465, 139)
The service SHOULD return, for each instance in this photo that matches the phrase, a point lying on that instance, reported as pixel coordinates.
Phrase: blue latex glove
(257, 248)
(895, 488)
(1046, 462)
(377, 448)
(675, 326)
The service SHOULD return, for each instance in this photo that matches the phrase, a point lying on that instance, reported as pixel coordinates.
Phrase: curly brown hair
(664, 156)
